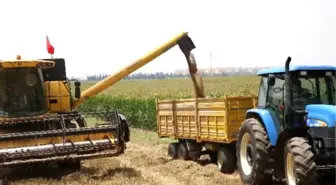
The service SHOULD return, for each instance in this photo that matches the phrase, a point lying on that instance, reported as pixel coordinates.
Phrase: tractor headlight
(316, 123)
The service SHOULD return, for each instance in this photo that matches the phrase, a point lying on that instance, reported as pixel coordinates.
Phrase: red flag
(50, 48)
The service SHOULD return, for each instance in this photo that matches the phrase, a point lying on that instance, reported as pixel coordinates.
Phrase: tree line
(162, 75)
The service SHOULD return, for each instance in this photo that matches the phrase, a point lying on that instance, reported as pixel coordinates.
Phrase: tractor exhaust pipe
(289, 89)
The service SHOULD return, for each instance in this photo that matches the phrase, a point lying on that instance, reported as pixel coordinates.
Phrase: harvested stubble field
(144, 163)
(145, 160)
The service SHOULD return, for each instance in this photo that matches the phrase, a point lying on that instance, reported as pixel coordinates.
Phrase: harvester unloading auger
(38, 120)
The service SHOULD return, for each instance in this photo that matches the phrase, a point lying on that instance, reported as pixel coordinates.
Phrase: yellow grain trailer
(203, 126)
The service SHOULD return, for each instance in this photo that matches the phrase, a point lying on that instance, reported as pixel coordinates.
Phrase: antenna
(210, 70)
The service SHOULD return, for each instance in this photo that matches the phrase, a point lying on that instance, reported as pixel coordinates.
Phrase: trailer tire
(226, 160)
(300, 167)
(256, 168)
(172, 150)
(182, 151)
(213, 157)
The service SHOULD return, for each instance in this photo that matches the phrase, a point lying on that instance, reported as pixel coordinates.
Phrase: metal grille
(110, 123)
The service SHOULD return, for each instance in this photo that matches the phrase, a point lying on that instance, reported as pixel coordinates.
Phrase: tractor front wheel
(253, 153)
(299, 164)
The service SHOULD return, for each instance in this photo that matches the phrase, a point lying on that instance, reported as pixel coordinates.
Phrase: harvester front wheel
(226, 160)
(172, 150)
(253, 153)
(299, 164)
(70, 164)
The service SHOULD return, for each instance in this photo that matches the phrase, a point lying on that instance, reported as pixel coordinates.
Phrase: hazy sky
(104, 36)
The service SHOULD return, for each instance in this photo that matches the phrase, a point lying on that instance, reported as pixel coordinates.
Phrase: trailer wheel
(172, 150)
(253, 153)
(182, 151)
(213, 157)
(299, 164)
(226, 160)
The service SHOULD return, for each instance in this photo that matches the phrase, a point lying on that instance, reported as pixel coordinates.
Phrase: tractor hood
(318, 113)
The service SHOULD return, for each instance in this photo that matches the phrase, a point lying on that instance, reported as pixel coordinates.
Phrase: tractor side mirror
(271, 81)
(77, 90)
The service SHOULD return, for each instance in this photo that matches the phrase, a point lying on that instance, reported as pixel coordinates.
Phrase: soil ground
(144, 162)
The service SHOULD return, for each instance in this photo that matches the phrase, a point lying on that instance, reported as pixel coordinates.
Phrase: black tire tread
(230, 163)
(213, 157)
(182, 151)
(172, 150)
(70, 164)
(305, 166)
(263, 171)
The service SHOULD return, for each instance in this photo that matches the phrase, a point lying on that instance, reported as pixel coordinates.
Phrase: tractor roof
(296, 68)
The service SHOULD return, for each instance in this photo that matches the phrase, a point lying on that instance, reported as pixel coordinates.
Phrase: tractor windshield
(21, 92)
(313, 87)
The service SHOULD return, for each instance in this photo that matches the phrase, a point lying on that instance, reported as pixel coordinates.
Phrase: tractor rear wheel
(172, 150)
(299, 164)
(226, 160)
(253, 152)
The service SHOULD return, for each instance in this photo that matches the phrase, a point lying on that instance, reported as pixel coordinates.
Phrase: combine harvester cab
(38, 118)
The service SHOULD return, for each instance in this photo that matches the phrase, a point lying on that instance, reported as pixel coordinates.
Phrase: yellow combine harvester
(38, 117)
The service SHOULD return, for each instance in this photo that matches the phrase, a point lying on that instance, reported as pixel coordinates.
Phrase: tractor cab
(311, 86)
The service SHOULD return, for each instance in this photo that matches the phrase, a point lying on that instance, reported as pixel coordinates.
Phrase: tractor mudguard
(125, 127)
(269, 122)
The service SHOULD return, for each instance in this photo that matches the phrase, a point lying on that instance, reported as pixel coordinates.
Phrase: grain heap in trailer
(39, 121)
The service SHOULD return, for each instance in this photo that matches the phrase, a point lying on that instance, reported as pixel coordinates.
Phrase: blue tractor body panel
(296, 68)
(270, 122)
(318, 112)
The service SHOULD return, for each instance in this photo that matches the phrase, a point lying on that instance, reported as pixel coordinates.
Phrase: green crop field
(136, 98)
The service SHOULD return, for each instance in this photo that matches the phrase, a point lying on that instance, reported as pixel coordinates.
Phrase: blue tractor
(291, 133)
